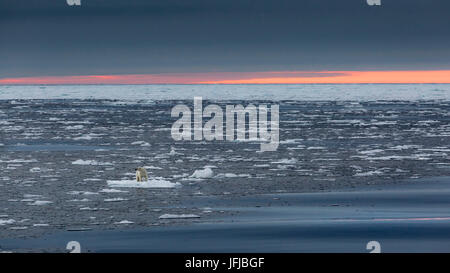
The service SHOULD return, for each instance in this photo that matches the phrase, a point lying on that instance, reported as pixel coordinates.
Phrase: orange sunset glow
(275, 77)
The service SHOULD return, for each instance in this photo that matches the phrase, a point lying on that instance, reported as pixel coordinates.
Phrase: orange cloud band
(275, 77)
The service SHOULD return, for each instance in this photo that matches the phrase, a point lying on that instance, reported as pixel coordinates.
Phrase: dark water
(410, 218)
(325, 145)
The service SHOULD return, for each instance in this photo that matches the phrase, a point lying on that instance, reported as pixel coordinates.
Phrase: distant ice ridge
(152, 183)
(300, 92)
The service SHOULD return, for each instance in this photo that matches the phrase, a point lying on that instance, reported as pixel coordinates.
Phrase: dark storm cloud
(48, 37)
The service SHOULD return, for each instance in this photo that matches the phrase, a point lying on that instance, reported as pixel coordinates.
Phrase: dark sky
(48, 37)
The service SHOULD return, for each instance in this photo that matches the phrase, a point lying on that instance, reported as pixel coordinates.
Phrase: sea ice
(205, 173)
(40, 203)
(89, 162)
(152, 183)
(7, 222)
(118, 199)
(112, 191)
(286, 161)
(124, 222)
(178, 216)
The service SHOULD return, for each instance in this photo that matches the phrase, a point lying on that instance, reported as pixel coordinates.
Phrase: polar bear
(141, 174)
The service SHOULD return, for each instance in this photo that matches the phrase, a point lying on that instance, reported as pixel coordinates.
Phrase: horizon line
(106, 84)
(253, 78)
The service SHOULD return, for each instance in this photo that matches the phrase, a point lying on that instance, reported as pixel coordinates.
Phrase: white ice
(178, 216)
(204, 173)
(152, 183)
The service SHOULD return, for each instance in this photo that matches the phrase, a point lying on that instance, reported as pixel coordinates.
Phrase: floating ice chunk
(370, 173)
(178, 216)
(79, 200)
(118, 199)
(84, 162)
(152, 183)
(40, 203)
(112, 191)
(290, 141)
(232, 175)
(18, 228)
(89, 162)
(371, 152)
(141, 143)
(316, 148)
(180, 175)
(74, 127)
(405, 147)
(286, 161)
(90, 193)
(32, 196)
(89, 208)
(7, 222)
(79, 229)
(152, 167)
(399, 157)
(205, 173)
(82, 192)
(381, 123)
(19, 161)
(173, 152)
(35, 170)
(87, 137)
(126, 222)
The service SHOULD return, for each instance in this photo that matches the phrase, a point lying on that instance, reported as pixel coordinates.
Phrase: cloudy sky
(223, 41)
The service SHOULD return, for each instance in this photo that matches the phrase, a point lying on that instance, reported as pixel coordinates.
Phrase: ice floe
(204, 173)
(82, 192)
(152, 183)
(79, 200)
(370, 173)
(178, 216)
(40, 203)
(124, 222)
(7, 222)
(286, 161)
(118, 199)
(112, 191)
(89, 162)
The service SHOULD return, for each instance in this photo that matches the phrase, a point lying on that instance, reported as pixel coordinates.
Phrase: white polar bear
(141, 174)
